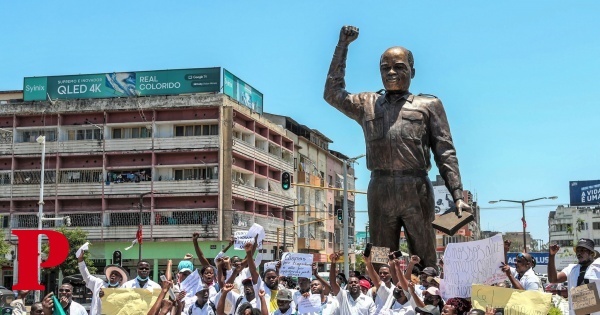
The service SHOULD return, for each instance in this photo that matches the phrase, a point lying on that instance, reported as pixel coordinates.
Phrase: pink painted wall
(133, 160)
(188, 114)
(86, 161)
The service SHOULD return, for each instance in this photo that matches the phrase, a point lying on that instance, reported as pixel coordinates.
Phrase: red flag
(524, 223)
(138, 235)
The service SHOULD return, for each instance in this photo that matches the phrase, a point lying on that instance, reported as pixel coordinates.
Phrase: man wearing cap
(523, 277)
(284, 303)
(115, 275)
(352, 301)
(202, 306)
(431, 297)
(587, 269)
(427, 310)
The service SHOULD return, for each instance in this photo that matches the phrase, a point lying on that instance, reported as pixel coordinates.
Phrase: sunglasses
(64, 290)
(143, 268)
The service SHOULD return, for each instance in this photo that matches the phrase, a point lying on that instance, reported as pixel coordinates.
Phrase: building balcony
(123, 226)
(32, 148)
(178, 143)
(251, 151)
(261, 195)
(306, 243)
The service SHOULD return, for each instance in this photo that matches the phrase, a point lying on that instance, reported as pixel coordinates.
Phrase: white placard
(271, 265)
(468, 263)
(310, 304)
(240, 239)
(296, 265)
(257, 229)
(190, 286)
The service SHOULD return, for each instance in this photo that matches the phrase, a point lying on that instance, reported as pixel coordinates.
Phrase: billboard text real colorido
(122, 84)
(585, 192)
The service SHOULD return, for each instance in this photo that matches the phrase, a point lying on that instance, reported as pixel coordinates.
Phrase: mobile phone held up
(396, 254)
(171, 293)
(367, 251)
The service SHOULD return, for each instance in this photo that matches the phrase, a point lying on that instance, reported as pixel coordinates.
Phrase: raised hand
(461, 206)
(181, 295)
(507, 245)
(506, 269)
(334, 257)
(231, 240)
(261, 293)
(228, 287)
(195, 236)
(348, 34)
(554, 248)
(248, 247)
(165, 307)
(315, 268)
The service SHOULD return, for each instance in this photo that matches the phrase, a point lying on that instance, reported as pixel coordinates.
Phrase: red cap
(365, 284)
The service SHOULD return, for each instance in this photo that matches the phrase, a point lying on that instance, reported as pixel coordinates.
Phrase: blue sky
(518, 78)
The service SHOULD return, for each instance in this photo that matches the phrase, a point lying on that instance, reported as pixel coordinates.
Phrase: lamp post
(523, 202)
(141, 206)
(345, 214)
(284, 209)
(41, 140)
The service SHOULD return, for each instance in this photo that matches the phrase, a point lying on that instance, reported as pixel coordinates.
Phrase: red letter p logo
(28, 256)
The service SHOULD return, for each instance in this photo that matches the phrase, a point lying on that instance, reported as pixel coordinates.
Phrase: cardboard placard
(310, 304)
(379, 255)
(511, 301)
(585, 299)
(128, 301)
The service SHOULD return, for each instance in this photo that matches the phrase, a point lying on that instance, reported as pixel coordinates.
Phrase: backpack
(211, 304)
(237, 303)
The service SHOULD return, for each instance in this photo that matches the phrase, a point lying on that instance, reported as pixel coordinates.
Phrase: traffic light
(340, 214)
(117, 257)
(286, 180)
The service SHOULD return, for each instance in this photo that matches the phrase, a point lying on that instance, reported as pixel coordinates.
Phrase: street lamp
(284, 209)
(41, 140)
(345, 214)
(523, 202)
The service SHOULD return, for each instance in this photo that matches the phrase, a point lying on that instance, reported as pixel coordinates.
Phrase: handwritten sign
(514, 302)
(379, 255)
(190, 286)
(470, 263)
(585, 299)
(257, 229)
(128, 301)
(308, 305)
(296, 265)
(240, 239)
(272, 265)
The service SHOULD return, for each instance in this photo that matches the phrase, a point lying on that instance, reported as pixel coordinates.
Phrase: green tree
(76, 237)
(4, 249)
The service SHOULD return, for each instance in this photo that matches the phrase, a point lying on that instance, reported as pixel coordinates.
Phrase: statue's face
(396, 72)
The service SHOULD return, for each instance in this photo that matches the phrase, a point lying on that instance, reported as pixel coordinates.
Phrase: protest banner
(585, 298)
(308, 305)
(513, 302)
(468, 263)
(128, 301)
(190, 286)
(240, 239)
(379, 255)
(296, 265)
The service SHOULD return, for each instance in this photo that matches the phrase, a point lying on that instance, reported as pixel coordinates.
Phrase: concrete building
(320, 168)
(199, 163)
(568, 224)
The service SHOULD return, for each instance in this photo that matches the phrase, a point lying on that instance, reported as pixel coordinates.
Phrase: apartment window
(596, 226)
(5, 178)
(32, 135)
(196, 130)
(131, 133)
(195, 173)
(84, 134)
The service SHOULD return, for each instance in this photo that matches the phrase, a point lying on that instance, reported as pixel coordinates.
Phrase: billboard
(585, 192)
(122, 84)
(541, 259)
(242, 92)
(443, 199)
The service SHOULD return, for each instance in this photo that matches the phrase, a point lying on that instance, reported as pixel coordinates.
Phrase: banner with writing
(190, 286)
(311, 304)
(513, 302)
(379, 255)
(296, 265)
(469, 263)
(128, 301)
(240, 239)
(585, 298)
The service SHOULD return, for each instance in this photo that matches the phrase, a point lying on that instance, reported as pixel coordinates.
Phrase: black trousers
(403, 201)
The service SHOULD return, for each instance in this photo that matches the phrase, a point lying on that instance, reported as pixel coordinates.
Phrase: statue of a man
(401, 129)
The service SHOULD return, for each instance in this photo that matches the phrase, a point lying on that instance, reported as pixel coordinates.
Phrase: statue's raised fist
(348, 34)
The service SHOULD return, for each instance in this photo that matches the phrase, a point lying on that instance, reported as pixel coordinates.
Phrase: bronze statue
(401, 129)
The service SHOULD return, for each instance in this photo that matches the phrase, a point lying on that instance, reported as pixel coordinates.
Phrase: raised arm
(335, 288)
(414, 259)
(264, 309)
(372, 273)
(203, 261)
(165, 285)
(335, 93)
(553, 275)
(325, 284)
(221, 304)
(392, 264)
(248, 247)
(168, 272)
(401, 279)
(85, 274)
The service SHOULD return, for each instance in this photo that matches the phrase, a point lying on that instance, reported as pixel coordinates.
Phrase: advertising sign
(585, 192)
(122, 84)
(541, 259)
(443, 199)
(242, 92)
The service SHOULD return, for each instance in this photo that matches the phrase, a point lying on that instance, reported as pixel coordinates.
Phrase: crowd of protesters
(234, 286)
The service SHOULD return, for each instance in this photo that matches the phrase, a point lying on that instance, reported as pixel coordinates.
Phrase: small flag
(58, 310)
(138, 238)
(524, 223)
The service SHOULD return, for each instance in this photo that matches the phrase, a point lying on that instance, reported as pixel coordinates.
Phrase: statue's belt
(398, 173)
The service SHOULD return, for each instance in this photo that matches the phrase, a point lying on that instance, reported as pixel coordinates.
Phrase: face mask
(141, 279)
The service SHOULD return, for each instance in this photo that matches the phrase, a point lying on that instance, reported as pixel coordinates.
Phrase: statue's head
(397, 69)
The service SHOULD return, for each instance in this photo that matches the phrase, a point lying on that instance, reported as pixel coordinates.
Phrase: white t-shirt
(363, 305)
(384, 296)
(398, 309)
(205, 310)
(233, 297)
(592, 274)
(77, 309)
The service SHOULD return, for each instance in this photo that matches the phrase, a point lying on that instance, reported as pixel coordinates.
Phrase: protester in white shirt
(352, 301)
(523, 277)
(382, 282)
(244, 308)
(586, 271)
(142, 280)
(329, 304)
(115, 275)
(65, 298)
